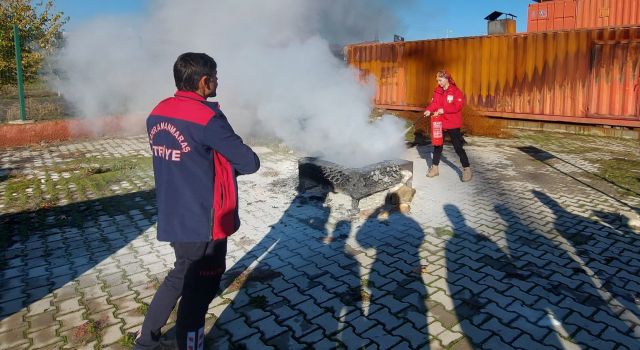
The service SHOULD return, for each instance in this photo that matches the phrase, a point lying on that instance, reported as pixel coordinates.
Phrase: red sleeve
(457, 104)
(433, 106)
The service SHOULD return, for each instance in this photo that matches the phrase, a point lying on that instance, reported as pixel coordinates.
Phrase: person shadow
(51, 254)
(609, 253)
(488, 287)
(297, 287)
(627, 261)
(426, 153)
(568, 296)
(393, 284)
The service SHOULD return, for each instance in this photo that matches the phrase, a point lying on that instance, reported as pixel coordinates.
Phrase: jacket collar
(189, 94)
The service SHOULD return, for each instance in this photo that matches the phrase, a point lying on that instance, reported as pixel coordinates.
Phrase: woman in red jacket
(448, 101)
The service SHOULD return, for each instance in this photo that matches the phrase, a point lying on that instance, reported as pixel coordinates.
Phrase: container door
(614, 79)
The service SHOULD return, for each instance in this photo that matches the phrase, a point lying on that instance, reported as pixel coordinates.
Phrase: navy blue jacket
(193, 145)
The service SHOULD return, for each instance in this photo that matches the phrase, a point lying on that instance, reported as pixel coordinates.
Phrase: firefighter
(447, 102)
(196, 158)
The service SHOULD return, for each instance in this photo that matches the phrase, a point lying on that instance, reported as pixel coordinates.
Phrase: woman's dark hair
(190, 67)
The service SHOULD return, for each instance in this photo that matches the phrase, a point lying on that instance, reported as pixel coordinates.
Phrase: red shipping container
(607, 13)
(552, 15)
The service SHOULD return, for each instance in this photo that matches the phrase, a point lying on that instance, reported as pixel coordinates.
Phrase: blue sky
(427, 19)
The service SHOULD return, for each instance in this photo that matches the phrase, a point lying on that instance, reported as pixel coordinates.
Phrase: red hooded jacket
(451, 101)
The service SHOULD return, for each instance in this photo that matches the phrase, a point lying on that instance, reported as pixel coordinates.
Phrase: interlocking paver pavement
(532, 254)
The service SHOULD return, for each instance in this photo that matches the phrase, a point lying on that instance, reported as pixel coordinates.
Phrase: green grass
(623, 172)
(143, 308)
(128, 340)
(443, 231)
(41, 103)
(613, 157)
(88, 174)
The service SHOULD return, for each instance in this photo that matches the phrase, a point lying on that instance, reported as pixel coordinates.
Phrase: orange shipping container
(552, 15)
(587, 76)
(607, 13)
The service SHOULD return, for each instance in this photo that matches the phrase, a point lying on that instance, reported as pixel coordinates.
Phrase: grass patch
(623, 172)
(565, 143)
(443, 231)
(128, 340)
(143, 308)
(95, 175)
(88, 331)
(41, 103)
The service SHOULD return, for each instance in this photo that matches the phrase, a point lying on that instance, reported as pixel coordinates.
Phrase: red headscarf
(446, 74)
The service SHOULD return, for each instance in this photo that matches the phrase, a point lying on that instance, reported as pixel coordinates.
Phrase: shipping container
(585, 76)
(552, 15)
(607, 13)
(578, 14)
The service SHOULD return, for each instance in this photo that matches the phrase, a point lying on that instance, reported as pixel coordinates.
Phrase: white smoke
(277, 74)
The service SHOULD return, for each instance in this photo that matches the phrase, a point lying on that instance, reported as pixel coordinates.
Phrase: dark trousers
(196, 277)
(456, 139)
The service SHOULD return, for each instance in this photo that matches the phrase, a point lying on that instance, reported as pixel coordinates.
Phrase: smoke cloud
(277, 74)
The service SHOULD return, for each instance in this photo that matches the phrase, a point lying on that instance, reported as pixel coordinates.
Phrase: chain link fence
(42, 102)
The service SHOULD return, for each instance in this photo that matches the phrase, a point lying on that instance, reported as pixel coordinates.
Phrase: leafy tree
(40, 33)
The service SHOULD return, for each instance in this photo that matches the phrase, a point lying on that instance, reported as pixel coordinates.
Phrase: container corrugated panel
(607, 13)
(552, 15)
(567, 74)
(615, 79)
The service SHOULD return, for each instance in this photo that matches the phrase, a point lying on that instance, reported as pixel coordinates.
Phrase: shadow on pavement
(610, 250)
(397, 306)
(531, 293)
(45, 249)
(547, 158)
(302, 284)
(426, 153)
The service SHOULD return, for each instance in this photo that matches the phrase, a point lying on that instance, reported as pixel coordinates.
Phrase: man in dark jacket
(196, 158)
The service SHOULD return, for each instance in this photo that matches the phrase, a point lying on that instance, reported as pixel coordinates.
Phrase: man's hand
(427, 113)
(440, 111)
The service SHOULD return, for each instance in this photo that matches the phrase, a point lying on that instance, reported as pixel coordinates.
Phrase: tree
(40, 34)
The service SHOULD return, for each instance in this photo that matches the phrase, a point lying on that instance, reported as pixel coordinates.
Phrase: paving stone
(98, 304)
(254, 342)
(555, 341)
(613, 336)
(609, 320)
(351, 340)
(526, 342)
(528, 234)
(44, 337)
(587, 340)
(71, 320)
(475, 334)
(384, 340)
(444, 299)
(111, 334)
(69, 305)
(13, 338)
(385, 318)
(301, 327)
(359, 323)
(40, 321)
(447, 337)
(106, 317)
(506, 333)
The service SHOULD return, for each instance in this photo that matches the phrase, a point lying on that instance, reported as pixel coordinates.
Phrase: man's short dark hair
(190, 67)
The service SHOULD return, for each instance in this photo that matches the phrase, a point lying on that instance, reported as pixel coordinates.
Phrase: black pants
(196, 277)
(456, 139)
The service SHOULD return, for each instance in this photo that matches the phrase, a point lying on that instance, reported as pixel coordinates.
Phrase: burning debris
(371, 186)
